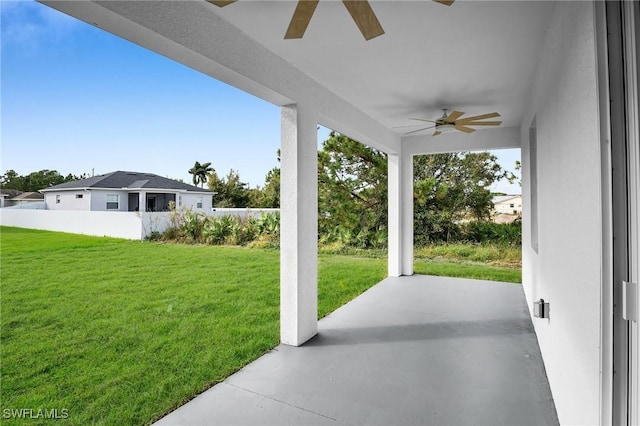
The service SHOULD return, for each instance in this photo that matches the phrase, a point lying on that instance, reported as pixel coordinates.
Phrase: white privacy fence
(129, 225)
(32, 205)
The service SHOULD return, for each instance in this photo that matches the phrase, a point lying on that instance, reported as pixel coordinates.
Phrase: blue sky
(75, 99)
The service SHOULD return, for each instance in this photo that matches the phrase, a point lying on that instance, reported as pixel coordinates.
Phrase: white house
(563, 75)
(126, 191)
(507, 204)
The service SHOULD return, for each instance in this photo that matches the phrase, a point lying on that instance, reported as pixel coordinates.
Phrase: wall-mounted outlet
(541, 309)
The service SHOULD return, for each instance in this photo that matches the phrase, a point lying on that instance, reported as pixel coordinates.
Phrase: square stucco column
(394, 186)
(142, 201)
(406, 212)
(400, 200)
(298, 225)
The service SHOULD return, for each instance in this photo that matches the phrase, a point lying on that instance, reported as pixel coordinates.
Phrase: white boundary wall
(110, 224)
(129, 225)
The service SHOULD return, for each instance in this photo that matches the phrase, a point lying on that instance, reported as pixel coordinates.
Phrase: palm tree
(200, 172)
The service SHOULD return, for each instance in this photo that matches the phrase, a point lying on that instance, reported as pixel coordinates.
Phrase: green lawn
(120, 332)
(476, 271)
(495, 262)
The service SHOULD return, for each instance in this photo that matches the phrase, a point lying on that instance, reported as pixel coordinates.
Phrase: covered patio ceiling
(474, 56)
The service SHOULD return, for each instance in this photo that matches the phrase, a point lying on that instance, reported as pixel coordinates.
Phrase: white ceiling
(474, 56)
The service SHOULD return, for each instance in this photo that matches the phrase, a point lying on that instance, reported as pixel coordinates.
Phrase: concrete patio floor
(413, 350)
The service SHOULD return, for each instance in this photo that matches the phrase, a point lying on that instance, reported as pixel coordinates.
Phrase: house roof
(29, 196)
(126, 180)
(503, 198)
(9, 193)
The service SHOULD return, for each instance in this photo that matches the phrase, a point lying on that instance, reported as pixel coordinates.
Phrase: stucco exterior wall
(68, 200)
(96, 200)
(99, 200)
(189, 201)
(566, 268)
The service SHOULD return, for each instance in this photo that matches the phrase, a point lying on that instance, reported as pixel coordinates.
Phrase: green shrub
(219, 230)
(192, 224)
(507, 233)
(248, 230)
(173, 233)
(269, 224)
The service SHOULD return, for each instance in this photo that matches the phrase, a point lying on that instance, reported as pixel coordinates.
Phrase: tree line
(450, 191)
(35, 181)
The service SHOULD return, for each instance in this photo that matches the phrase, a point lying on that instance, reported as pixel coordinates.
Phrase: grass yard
(495, 262)
(476, 271)
(121, 332)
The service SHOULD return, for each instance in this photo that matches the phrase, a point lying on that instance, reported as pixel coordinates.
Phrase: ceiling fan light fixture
(446, 128)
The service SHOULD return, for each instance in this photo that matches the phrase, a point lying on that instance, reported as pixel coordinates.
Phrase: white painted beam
(481, 140)
(298, 225)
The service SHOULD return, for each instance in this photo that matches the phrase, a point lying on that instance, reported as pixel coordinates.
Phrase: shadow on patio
(411, 350)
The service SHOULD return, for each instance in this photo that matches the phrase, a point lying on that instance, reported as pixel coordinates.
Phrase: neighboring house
(507, 204)
(126, 191)
(27, 198)
(13, 197)
(6, 195)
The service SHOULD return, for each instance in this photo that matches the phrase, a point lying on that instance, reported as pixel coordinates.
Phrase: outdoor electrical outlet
(541, 309)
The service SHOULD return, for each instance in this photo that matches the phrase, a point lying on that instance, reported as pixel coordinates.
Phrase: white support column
(406, 202)
(394, 197)
(142, 201)
(298, 225)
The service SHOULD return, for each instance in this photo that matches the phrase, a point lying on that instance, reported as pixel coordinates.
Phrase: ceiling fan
(454, 121)
(360, 11)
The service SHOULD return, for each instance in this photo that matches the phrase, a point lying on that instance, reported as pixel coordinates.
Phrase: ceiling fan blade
(481, 123)
(419, 130)
(464, 128)
(221, 3)
(424, 119)
(453, 116)
(410, 125)
(445, 2)
(364, 17)
(478, 117)
(437, 133)
(301, 18)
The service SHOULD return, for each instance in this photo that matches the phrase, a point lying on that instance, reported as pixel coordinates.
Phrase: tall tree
(270, 194)
(200, 172)
(229, 191)
(34, 181)
(352, 192)
(12, 180)
(449, 188)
